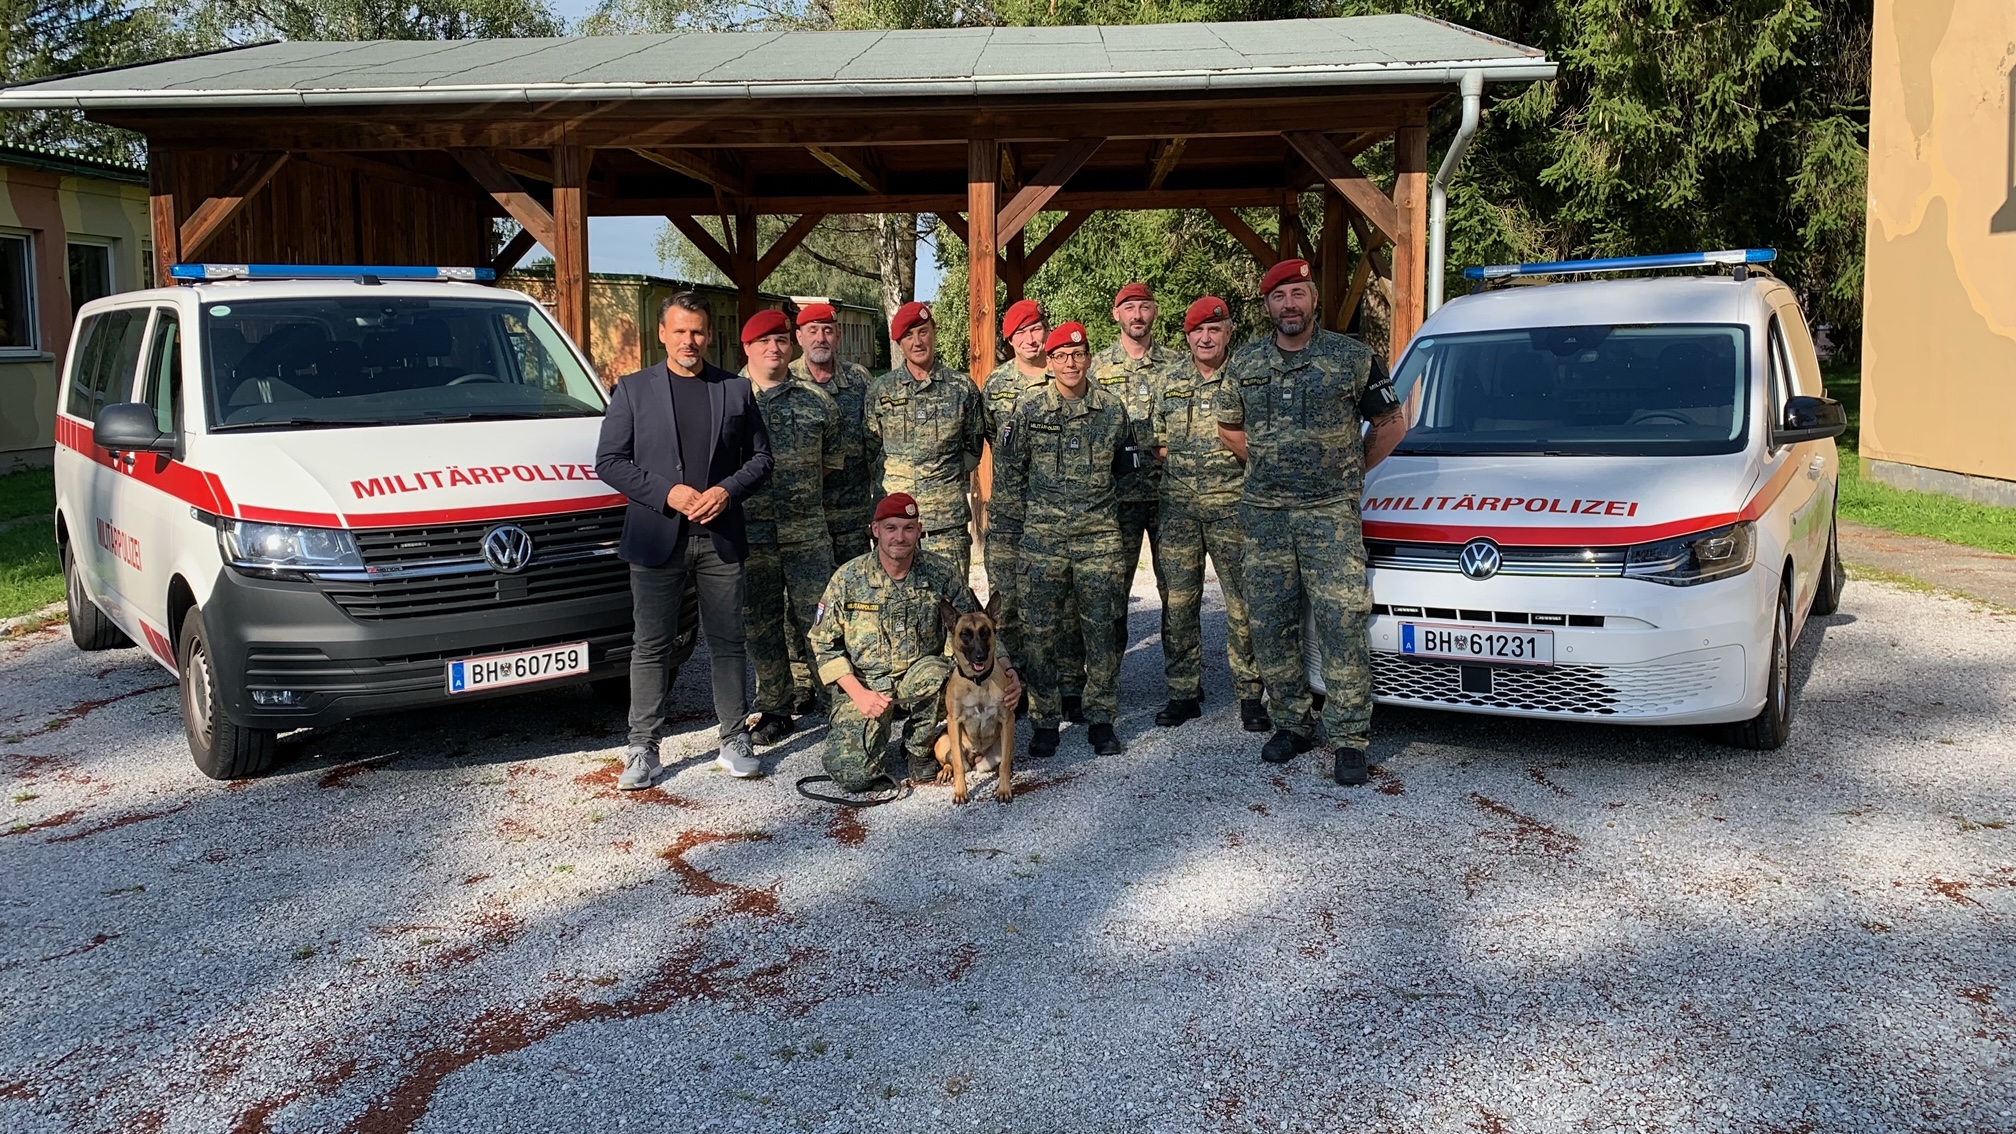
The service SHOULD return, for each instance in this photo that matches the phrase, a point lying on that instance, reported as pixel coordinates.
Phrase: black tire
(1773, 723)
(222, 750)
(89, 628)
(1833, 574)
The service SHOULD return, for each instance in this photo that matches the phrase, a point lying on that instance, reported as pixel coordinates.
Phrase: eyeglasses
(1070, 355)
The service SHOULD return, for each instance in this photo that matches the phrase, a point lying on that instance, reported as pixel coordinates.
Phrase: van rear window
(1673, 390)
(334, 362)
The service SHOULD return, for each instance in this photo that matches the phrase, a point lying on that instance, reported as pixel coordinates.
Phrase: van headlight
(1699, 558)
(283, 551)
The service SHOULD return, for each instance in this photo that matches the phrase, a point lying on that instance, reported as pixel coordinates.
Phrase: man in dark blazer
(684, 441)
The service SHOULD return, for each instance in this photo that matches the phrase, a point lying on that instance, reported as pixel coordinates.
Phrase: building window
(147, 266)
(90, 273)
(17, 293)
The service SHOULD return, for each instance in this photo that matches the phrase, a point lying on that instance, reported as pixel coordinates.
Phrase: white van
(1614, 502)
(377, 492)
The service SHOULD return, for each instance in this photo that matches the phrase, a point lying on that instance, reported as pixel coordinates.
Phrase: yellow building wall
(1939, 319)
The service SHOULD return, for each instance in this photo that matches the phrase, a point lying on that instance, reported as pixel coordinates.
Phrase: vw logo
(1480, 559)
(508, 548)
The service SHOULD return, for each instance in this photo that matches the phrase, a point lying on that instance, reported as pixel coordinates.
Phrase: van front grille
(439, 569)
(1568, 690)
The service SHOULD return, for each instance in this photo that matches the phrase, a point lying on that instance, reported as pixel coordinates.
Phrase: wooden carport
(406, 152)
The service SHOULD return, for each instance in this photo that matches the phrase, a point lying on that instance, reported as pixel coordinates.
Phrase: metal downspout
(1438, 195)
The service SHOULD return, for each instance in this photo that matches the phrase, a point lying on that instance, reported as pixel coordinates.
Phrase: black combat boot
(1351, 769)
(770, 728)
(1284, 746)
(1253, 715)
(1074, 709)
(810, 703)
(1178, 710)
(1043, 743)
(1101, 737)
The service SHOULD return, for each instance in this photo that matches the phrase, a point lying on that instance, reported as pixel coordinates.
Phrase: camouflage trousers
(1138, 517)
(784, 583)
(1054, 572)
(857, 748)
(1188, 534)
(850, 533)
(1313, 556)
(955, 544)
(1004, 574)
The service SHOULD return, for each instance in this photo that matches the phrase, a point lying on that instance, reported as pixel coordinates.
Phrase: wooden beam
(696, 166)
(697, 235)
(945, 204)
(1030, 199)
(1015, 268)
(513, 251)
(1054, 239)
(858, 165)
(380, 169)
(1244, 234)
(748, 283)
(1344, 175)
(983, 180)
(785, 244)
(1332, 259)
(210, 217)
(956, 223)
(570, 244)
(1410, 242)
(1288, 230)
(161, 216)
(1374, 246)
(505, 188)
(1162, 159)
(1361, 278)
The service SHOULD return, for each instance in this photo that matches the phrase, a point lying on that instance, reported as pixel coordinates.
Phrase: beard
(819, 354)
(1291, 323)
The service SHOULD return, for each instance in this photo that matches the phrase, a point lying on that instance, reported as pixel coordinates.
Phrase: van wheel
(89, 628)
(223, 750)
(1773, 724)
(1833, 575)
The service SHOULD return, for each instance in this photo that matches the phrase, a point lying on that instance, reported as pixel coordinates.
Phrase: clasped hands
(699, 507)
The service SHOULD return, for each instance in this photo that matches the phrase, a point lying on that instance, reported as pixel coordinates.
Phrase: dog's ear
(949, 615)
(993, 610)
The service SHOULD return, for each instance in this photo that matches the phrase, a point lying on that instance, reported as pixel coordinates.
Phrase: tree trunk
(896, 259)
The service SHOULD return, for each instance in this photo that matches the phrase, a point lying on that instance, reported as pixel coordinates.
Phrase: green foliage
(31, 574)
(43, 38)
(837, 260)
(31, 492)
(245, 21)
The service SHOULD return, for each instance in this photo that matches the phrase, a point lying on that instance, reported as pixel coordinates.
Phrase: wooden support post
(1332, 259)
(1410, 244)
(161, 216)
(1030, 199)
(513, 251)
(1343, 174)
(570, 243)
(504, 188)
(983, 173)
(1015, 267)
(748, 281)
(1290, 229)
(209, 218)
(697, 235)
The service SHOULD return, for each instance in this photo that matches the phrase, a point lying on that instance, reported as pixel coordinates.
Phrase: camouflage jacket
(1006, 388)
(852, 487)
(929, 437)
(804, 427)
(1055, 473)
(1200, 474)
(876, 627)
(1302, 420)
(1138, 384)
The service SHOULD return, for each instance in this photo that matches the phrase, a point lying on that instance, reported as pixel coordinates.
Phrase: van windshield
(1661, 390)
(333, 362)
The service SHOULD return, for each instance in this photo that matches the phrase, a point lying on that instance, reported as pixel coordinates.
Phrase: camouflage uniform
(1201, 483)
(1138, 385)
(1304, 479)
(886, 632)
(850, 493)
(790, 549)
(1057, 456)
(1006, 387)
(929, 434)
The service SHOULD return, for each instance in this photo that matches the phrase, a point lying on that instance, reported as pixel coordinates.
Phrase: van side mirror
(1810, 419)
(130, 427)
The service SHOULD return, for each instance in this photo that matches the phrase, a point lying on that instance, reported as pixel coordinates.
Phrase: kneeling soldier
(880, 640)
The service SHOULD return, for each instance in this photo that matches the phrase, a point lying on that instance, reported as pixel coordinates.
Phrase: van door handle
(1814, 466)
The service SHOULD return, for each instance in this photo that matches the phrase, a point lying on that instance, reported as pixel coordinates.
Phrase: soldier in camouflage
(1201, 484)
(1292, 406)
(790, 548)
(1134, 369)
(849, 492)
(926, 422)
(1062, 453)
(879, 640)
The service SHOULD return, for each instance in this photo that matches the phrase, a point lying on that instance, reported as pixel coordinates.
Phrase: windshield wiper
(493, 415)
(301, 423)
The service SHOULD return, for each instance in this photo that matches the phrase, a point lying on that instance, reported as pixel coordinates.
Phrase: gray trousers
(655, 594)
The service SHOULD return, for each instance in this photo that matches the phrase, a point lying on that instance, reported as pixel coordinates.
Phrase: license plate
(474, 675)
(1495, 644)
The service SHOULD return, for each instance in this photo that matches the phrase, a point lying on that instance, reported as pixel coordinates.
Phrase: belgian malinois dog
(979, 728)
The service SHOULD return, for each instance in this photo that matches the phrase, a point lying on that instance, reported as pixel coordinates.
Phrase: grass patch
(1925, 514)
(30, 493)
(31, 576)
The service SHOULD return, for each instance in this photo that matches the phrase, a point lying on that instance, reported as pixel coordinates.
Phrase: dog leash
(896, 791)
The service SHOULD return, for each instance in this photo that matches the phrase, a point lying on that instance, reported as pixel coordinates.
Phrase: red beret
(767, 322)
(1285, 272)
(817, 313)
(1135, 290)
(1209, 309)
(1020, 314)
(896, 505)
(906, 317)
(1067, 334)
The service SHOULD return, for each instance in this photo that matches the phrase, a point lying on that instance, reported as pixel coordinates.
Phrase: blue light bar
(1624, 264)
(199, 272)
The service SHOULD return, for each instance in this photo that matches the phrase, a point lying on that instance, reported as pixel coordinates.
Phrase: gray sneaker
(736, 759)
(640, 767)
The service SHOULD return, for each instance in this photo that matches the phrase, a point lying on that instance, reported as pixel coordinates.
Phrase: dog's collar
(982, 678)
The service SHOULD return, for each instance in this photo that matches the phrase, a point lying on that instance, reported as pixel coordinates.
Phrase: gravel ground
(452, 922)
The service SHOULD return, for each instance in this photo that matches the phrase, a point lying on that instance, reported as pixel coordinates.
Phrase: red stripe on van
(488, 512)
